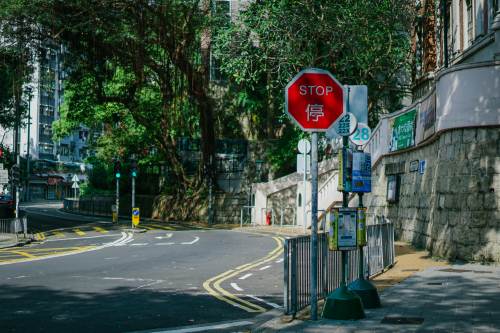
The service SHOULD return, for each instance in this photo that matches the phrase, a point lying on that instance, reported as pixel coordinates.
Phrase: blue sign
(135, 212)
(361, 172)
(421, 167)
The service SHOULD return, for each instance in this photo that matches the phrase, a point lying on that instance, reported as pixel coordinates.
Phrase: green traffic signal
(117, 175)
(134, 173)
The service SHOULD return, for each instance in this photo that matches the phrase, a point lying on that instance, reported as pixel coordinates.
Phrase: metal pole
(304, 212)
(28, 153)
(314, 226)
(361, 274)
(133, 195)
(117, 199)
(17, 185)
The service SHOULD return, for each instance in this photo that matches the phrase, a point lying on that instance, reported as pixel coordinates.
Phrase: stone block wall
(228, 207)
(453, 208)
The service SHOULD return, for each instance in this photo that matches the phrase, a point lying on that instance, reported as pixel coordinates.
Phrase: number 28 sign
(362, 135)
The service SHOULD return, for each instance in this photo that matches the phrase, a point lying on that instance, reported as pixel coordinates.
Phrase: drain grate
(402, 320)
(435, 283)
(410, 270)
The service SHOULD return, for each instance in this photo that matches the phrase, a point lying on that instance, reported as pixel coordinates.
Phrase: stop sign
(315, 100)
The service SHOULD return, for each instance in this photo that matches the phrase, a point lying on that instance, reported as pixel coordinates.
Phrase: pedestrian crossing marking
(101, 230)
(39, 236)
(79, 232)
(58, 234)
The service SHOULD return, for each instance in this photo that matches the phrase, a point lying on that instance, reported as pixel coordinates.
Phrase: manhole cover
(403, 320)
(435, 283)
(454, 270)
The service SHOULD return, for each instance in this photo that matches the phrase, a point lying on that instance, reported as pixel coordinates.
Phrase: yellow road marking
(225, 296)
(79, 232)
(39, 236)
(49, 252)
(101, 230)
(24, 254)
(58, 234)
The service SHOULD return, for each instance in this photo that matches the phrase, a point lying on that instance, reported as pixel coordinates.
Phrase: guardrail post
(293, 277)
(286, 277)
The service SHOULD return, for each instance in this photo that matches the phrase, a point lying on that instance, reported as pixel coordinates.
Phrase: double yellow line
(213, 285)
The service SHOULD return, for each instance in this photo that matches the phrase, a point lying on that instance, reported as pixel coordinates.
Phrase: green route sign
(403, 131)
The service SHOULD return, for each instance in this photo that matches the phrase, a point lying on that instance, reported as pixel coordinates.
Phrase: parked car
(7, 206)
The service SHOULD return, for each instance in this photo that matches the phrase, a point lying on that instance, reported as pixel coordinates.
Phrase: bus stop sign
(315, 100)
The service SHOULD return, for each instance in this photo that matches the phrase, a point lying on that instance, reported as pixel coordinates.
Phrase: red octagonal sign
(315, 100)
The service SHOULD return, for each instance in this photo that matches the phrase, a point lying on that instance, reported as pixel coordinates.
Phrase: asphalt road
(87, 275)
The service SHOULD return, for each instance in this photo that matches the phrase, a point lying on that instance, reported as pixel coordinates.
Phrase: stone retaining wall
(453, 208)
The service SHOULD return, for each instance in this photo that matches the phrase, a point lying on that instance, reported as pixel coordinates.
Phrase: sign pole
(304, 210)
(314, 226)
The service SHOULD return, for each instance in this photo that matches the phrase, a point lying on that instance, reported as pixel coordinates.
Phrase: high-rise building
(52, 162)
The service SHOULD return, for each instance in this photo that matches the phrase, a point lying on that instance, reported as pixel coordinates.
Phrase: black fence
(101, 206)
(297, 265)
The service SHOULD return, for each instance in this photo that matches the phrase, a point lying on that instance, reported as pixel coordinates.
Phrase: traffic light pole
(133, 196)
(117, 198)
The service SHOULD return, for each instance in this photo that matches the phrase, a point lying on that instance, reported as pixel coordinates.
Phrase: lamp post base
(367, 292)
(343, 304)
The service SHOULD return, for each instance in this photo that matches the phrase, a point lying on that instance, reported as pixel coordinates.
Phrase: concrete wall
(453, 208)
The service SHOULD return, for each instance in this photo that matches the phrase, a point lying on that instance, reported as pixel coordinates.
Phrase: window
(63, 150)
(470, 23)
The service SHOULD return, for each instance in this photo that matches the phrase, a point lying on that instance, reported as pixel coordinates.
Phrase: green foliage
(360, 42)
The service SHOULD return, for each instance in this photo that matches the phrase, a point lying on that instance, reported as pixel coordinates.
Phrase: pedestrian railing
(378, 255)
(15, 226)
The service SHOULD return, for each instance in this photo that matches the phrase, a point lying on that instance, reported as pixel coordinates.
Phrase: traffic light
(15, 174)
(133, 168)
(117, 168)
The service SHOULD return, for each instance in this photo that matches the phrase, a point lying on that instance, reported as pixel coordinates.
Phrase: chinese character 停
(314, 111)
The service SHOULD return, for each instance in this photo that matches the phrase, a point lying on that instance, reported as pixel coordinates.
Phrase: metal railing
(15, 226)
(378, 255)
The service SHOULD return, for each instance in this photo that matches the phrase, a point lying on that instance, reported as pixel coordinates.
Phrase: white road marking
(164, 237)
(222, 326)
(265, 267)
(111, 258)
(274, 305)
(77, 238)
(246, 276)
(169, 243)
(236, 287)
(147, 285)
(196, 238)
(124, 237)
(279, 260)
(139, 244)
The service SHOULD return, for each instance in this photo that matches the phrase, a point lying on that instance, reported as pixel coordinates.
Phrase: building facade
(51, 163)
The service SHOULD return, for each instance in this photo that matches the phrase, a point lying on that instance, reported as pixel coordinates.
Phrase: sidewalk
(419, 294)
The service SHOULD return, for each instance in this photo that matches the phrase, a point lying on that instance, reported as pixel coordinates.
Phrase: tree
(360, 42)
(135, 63)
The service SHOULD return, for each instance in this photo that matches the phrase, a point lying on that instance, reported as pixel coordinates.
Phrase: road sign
(346, 125)
(136, 216)
(300, 163)
(361, 172)
(314, 99)
(304, 146)
(75, 185)
(362, 135)
(75, 179)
